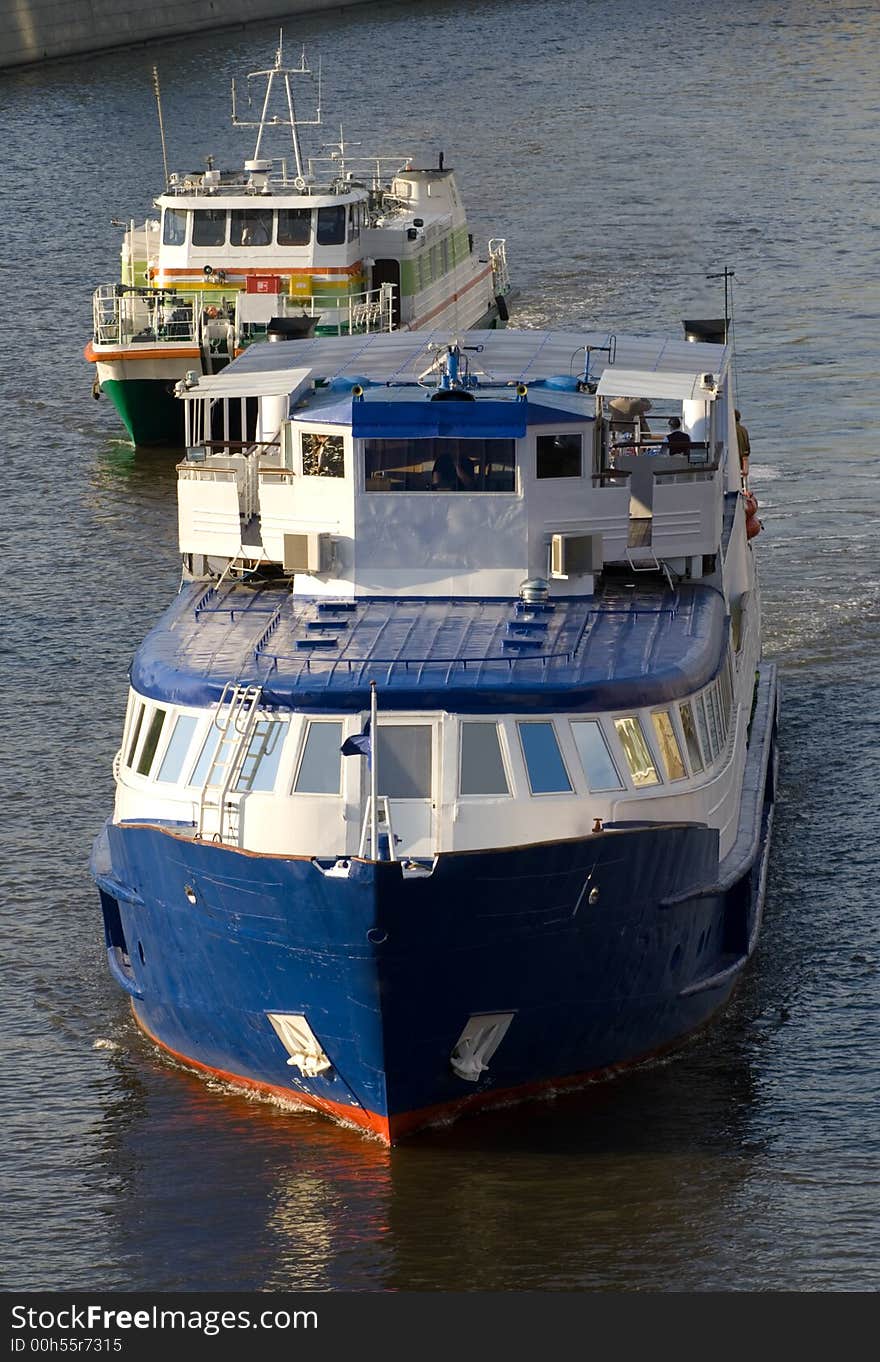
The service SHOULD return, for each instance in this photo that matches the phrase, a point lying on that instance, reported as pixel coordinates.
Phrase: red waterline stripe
(390, 1129)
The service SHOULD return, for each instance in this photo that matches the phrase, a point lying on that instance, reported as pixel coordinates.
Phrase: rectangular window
(260, 765)
(174, 227)
(544, 764)
(178, 746)
(445, 465)
(482, 766)
(250, 227)
(712, 723)
(205, 762)
(444, 255)
(721, 714)
(320, 764)
(595, 758)
(558, 456)
(331, 225)
(352, 221)
(323, 456)
(151, 741)
(294, 226)
(708, 750)
(209, 227)
(690, 736)
(135, 733)
(637, 752)
(726, 687)
(667, 741)
(403, 770)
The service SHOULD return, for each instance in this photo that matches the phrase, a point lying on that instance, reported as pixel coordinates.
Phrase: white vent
(309, 553)
(478, 1042)
(574, 555)
(300, 1042)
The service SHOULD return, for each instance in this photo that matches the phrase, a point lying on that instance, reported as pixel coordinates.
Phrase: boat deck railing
(124, 315)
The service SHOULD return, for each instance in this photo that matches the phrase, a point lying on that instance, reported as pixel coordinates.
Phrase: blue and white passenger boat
(447, 779)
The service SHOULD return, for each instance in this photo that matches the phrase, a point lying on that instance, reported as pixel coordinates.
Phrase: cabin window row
(261, 226)
(676, 742)
(442, 463)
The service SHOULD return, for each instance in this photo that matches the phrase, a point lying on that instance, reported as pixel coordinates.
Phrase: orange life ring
(750, 506)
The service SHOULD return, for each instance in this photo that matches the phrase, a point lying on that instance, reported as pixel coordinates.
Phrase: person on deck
(745, 448)
(677, 441)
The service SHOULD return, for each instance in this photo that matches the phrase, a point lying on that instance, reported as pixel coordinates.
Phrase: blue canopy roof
(628, 647)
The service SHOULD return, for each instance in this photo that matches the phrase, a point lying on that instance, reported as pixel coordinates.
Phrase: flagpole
(374, 752)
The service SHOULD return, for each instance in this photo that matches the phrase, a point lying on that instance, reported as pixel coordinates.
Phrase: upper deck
(625, 647)
(402, 464)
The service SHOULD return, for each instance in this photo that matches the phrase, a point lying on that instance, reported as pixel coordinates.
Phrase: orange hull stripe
(356, 1116)
(390, 1129)
(164, 351)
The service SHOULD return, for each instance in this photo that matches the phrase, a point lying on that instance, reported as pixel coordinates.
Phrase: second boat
(285, 247)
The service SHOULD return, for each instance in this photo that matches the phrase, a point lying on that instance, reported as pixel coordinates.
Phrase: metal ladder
(234, 721)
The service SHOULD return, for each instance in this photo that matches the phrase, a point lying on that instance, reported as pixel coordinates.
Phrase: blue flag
(359, 745)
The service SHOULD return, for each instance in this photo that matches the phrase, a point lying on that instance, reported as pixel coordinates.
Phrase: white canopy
(232, 382)
(684, 387)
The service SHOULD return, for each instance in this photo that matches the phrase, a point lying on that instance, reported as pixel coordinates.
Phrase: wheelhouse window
(331, 225)
(715, 739)
(215, 752)
(667, 741)
(558, 456)
(689, 729)
(440, 465)
(482, 766)
(353, 222)
(250, 227)
(321, 761)
(595, 758)
(543, 759)
(174, 227)
(135, 733)
(708, 750)
(403, 761)
(294, 226)
(637, 752)
(178, 745)
(151, 741)
(209, 227)
(260, 765)
(323, 456)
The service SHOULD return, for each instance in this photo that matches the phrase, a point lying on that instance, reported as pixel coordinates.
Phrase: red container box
(263, 283)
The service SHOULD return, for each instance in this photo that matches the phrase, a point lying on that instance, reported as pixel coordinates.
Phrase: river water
(626, 150)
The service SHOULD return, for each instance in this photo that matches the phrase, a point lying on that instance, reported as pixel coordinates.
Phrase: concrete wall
(35, 31)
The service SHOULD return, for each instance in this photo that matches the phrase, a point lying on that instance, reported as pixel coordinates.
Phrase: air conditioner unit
(573, 555)
(314, 553)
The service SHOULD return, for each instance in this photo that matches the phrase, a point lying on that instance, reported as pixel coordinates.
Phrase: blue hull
(606, 948)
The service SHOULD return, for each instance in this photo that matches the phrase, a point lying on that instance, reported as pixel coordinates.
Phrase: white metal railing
(123, 315)
(498, 261)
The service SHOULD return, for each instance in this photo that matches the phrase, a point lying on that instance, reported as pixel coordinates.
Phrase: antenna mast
(278, 70)
(161, 124)
(726, 275)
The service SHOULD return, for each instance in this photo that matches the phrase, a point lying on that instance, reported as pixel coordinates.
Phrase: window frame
(507, 793)
(667, 711)
(631, 774)
(557, 435)
(544, 723)
(307, 726)
(582, 721)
